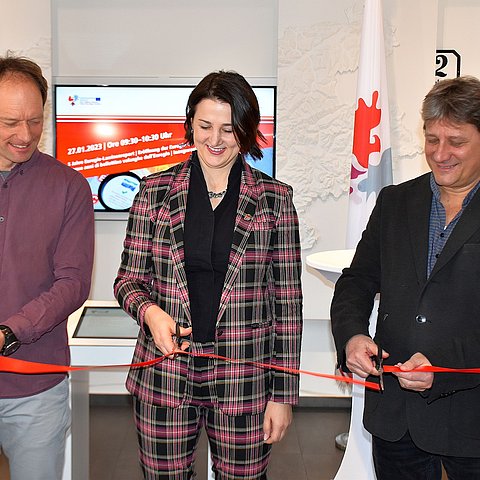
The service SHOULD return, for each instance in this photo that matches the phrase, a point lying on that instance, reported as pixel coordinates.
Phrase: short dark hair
(456, 100)
(13, 66)
(232, 88)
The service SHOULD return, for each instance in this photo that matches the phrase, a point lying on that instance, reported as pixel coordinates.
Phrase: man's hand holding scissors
(365, 357)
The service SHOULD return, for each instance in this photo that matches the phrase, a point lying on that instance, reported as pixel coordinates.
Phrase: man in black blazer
(421, 252)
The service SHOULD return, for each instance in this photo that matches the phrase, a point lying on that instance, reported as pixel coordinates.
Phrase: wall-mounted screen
(115, 135)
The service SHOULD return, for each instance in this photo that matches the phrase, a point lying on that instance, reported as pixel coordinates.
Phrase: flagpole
(371, 170)
(371, 159)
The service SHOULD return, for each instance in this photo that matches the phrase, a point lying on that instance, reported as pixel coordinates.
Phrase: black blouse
(207, 242)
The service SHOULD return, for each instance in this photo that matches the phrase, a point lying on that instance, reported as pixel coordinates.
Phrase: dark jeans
(403, 460)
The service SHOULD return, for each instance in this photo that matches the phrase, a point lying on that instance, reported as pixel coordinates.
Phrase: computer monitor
(116, 134)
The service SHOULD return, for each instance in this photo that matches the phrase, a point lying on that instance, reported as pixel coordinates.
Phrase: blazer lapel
(468, 225)
(418, 204)
(247, 205)
(178, 205)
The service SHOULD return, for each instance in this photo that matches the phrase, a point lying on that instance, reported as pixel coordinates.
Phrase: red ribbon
(431, 368)
(13, 365)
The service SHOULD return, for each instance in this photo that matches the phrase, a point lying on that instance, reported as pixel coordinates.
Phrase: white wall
(164, 39)
(25, 28)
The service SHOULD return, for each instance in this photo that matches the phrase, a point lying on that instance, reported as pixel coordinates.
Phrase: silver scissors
(378, 359)
(177, 335)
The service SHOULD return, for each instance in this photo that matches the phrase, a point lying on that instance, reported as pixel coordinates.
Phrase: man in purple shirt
(46, 256)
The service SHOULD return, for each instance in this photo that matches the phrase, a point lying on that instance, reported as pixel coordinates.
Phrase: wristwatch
(11, 344)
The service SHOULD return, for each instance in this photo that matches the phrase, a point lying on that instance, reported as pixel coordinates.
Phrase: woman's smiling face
(213, 134)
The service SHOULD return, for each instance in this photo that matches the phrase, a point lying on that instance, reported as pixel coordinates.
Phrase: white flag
(371, 167)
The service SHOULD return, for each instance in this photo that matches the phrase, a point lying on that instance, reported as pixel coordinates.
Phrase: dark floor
(307, 452)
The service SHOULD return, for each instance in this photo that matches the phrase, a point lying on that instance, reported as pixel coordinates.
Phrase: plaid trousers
(168, 436)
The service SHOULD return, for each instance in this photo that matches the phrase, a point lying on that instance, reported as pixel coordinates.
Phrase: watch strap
(11, 343)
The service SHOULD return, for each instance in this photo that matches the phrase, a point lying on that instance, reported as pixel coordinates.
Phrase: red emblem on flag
(366, 119)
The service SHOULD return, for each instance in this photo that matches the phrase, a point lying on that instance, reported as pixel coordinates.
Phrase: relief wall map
(317, 74)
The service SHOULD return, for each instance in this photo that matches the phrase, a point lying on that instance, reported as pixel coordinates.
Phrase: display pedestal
(105, 336)
(357, 461)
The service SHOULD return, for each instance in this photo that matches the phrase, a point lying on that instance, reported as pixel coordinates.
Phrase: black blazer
(439, 317)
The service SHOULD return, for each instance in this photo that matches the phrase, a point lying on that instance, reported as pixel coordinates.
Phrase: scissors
(177, 335)
(378, 359)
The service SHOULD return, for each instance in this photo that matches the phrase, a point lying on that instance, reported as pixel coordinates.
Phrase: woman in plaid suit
(211, 263)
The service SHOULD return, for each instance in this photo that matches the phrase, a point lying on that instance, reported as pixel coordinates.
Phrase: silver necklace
(217, 194)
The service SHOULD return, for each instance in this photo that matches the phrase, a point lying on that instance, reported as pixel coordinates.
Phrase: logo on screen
(76, 100)
(72, 99)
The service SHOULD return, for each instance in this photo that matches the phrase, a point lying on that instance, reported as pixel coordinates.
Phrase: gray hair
(456, 100)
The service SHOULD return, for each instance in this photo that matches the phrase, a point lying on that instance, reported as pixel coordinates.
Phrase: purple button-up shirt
(46, 257)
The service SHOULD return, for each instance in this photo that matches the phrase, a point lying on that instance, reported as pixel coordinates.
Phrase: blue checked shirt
(438, 231)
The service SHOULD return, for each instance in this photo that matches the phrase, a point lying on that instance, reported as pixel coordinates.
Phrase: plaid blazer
(260, 312)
